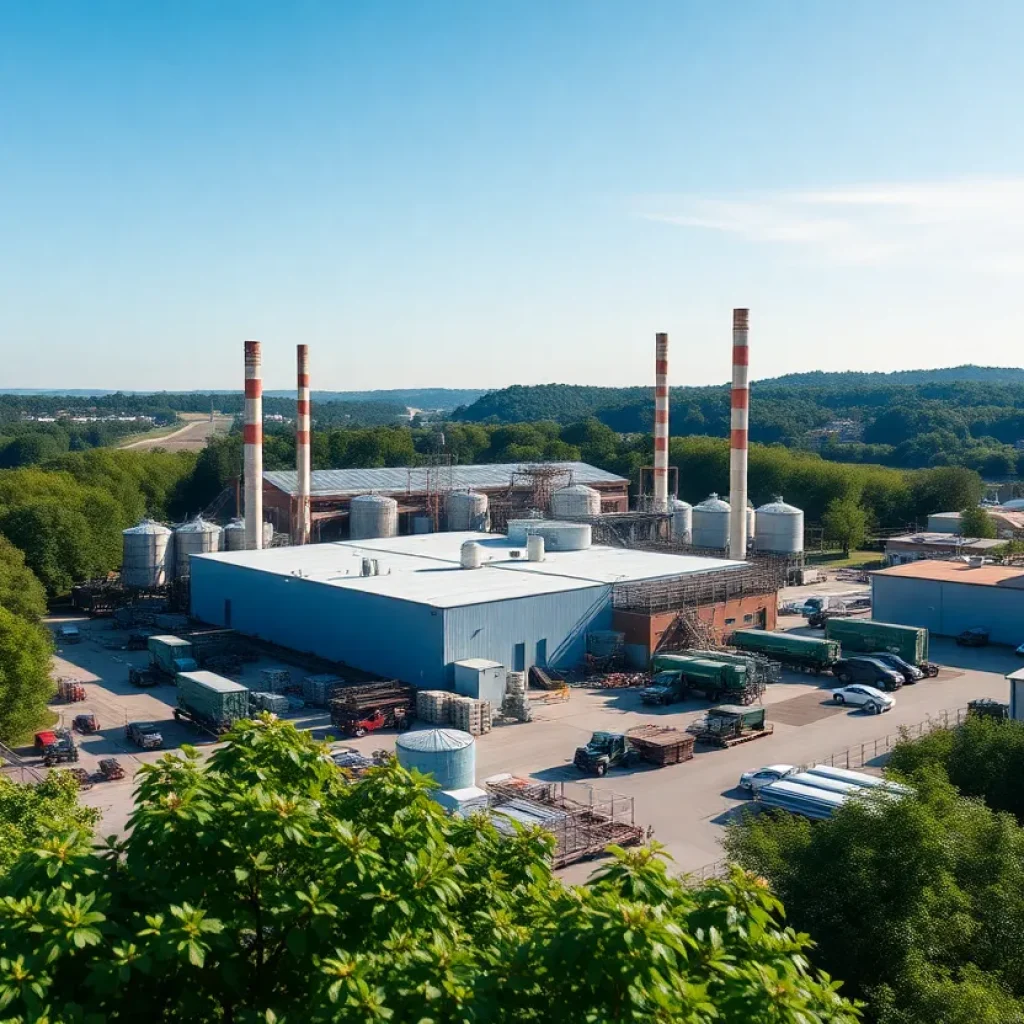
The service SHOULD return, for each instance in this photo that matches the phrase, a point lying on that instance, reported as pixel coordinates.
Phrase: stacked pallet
(275, 680)
(472, 716)
(433, 706)
(354, 702)
(661, 745)
(275, 703)
(318, 690)
(516, 703)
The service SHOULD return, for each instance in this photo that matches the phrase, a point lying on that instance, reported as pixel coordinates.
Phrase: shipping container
(165, 650)
(210, 700)
(800, 651)
(909, 642)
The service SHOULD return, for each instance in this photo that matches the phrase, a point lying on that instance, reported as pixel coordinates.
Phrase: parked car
(868, 697)
(145, 735)
(68, 635)
(867, 670)
(765, 776)
(910, 673)
(976, 637)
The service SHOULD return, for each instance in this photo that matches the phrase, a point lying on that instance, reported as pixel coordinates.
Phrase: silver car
(764, 776)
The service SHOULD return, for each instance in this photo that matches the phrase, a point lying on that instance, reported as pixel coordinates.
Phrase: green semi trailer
(803, 652)
(678, 675)
(210, 701)
(908, 642)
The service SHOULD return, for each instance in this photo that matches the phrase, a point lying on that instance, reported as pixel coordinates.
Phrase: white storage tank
(711, 523)
(557, 536)
(372, 515)
(447, 754)
(233, 537)
(575, 502)
(780, 528)
(148, 555)
(197, 537)
(535, 548)
(471, 555)
(682, 521)
(466, 510)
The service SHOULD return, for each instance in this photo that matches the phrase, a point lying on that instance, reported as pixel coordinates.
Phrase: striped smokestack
(252, 437)
(301, 526)
(661, 423)
(738, 435)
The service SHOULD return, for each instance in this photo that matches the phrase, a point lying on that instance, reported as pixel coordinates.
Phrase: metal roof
(1007, 576)
(425, 568)
(946, 540)
(402, 480)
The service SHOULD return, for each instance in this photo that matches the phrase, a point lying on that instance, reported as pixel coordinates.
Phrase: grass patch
(856, 560)
(46, 721)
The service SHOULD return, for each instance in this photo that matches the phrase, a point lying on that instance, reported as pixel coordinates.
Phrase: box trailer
(714, 679)
(803, 652)
(908, 642)
(165, 650)
(210, 701)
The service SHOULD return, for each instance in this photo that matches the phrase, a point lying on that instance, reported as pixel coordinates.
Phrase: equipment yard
(685, 804)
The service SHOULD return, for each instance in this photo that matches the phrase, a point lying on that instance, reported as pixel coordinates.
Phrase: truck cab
(666, 688)
(605, 750)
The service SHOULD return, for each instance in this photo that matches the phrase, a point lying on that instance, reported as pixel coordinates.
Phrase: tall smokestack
(661, 423)
(301, 530)
(738, 435)
(252, 436)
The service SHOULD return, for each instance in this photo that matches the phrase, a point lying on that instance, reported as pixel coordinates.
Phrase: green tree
(261, 886)
(846, 524)
(25, 684)
(976, 522)
(20, 590)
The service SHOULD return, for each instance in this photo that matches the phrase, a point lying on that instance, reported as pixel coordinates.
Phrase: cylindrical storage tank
(535, 548)
(682, 521)
(447, 754)
(148, 557)
(780, 528)
(575, 502)
(233, 536)
(372, 515)
(557, 536)
(197, 537)
(711, 523)
(471, 555)
(466, 510)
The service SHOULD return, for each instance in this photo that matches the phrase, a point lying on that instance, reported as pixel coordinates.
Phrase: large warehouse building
(949, 597)
(405, 607)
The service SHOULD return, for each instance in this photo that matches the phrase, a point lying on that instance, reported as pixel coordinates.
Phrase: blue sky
(486, 193)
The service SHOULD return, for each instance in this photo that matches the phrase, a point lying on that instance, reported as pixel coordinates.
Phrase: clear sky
(483, 193)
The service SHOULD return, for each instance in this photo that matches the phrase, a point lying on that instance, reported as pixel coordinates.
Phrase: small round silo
(780, 528)
(233, 537)
(711, 523)
(682, 521)
(196, 537)
(447, 754)
(471, 555)
(466, 510)
(148, 555)
(575, 502)
(372, 515)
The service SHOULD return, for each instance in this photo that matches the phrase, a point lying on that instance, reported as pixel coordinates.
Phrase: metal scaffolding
(699, 588)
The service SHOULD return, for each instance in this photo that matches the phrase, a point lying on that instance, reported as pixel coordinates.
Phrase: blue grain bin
(447, 754)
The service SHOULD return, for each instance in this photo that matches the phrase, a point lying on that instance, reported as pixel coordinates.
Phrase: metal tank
(575, 502)
(372, 515)
(466, 510)
(471, 555)
(711, 523)
(197, 537)
(557, 536)
(682, 521)
(148, 555)
(233, 537)
(780, 528)
(447, 754)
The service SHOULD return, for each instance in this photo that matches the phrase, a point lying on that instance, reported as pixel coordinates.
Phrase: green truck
(908, 642)
(168, 654)
(210, 701)
(677, 675)
(806, 653)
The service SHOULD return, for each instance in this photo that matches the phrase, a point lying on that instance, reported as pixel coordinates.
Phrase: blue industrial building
(405, 607)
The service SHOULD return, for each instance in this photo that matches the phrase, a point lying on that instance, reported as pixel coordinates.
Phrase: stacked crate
(472, 716)
(275, 680)
(433, 706)
(275, 703)
(318, 690)
(516, 704)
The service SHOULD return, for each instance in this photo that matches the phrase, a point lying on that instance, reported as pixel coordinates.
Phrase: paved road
(191, 437)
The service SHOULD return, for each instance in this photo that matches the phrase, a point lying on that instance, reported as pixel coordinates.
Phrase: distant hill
(945, 375)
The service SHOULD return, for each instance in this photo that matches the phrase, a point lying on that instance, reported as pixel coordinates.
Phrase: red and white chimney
(738, 435)
(660, 423)
(252, 437)
(300, 531)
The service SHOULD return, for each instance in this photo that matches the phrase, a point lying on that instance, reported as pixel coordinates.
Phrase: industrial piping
(738, 435)
(301, 526)
(252, 438)
(660, 423)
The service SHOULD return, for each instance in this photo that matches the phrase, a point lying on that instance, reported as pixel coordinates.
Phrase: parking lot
(685, 804)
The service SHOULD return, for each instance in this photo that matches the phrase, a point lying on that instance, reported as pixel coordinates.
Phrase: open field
(191, 437)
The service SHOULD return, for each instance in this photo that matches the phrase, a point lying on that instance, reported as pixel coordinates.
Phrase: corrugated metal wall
(374, 633)
(558, 622)
(947, 609)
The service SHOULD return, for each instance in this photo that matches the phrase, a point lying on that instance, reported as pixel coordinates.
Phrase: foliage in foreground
(260, 886)
(917, 902)
(25, 683)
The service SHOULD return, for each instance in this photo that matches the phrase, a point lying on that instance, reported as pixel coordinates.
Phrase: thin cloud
(972, 225)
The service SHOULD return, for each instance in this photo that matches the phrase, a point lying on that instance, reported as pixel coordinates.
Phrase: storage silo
(233, 537)
(372, 515)
(197, 537)
(575, 502)
(751, 520)
(466, 510)
(447, 754)
(711, 523)
(557, 536)
(682, 521)
(780, 528)
(148, 555)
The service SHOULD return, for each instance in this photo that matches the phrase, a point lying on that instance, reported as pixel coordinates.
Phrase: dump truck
(729, 724)
(677, 675)
(806, 653)
(657, 745)
(166, 653)
(210, 701)
(908, 642)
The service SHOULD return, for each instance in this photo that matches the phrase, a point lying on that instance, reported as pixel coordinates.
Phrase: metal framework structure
(434, 479)
(680, 592)
(529, 491)
(645, 500)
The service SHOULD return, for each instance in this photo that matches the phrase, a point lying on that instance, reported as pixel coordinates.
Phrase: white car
(867, 697)
(763, 776)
